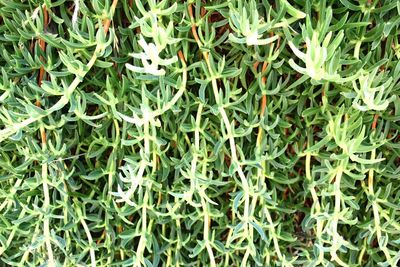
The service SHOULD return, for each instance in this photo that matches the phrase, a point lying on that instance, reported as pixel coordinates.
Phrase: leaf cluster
(199, 133)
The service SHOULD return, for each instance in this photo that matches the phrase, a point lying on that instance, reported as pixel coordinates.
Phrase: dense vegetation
(199, 133)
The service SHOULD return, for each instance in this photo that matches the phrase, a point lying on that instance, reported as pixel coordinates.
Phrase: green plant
(199, 133)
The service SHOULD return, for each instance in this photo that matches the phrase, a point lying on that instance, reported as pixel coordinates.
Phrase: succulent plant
(199, 133)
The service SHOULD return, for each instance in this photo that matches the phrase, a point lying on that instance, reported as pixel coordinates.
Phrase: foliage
(199, 133)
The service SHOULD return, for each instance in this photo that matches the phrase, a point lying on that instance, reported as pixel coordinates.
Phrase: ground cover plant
(199, 133)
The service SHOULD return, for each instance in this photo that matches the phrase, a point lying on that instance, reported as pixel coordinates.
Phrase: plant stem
(226, 122)
(90, 242)
(26, 253)
(107, 23)
(46, 222)
(375, 205)
(46, 204)
(316, 203)
(337, 193)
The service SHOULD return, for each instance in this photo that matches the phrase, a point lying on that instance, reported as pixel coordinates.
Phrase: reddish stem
(374, 123)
